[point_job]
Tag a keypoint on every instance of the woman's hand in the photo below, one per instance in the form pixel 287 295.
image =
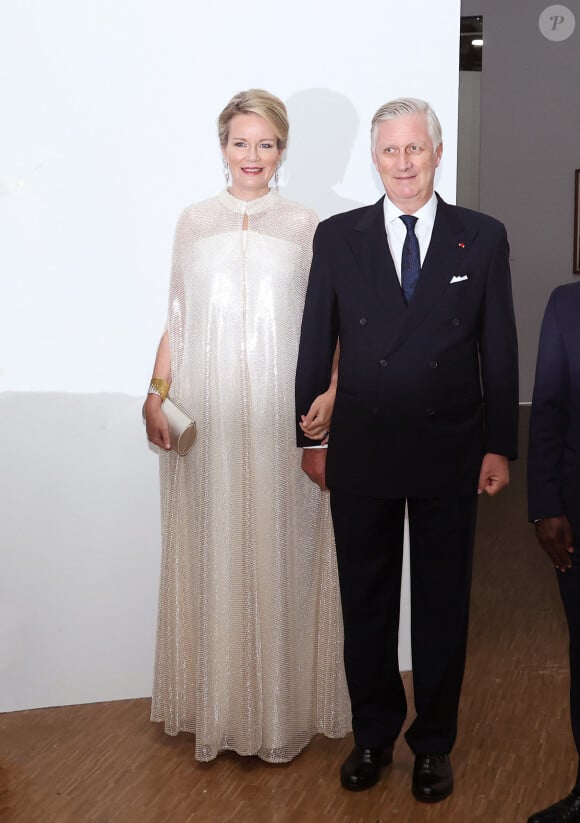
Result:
pixel 156 422
pixel 316 423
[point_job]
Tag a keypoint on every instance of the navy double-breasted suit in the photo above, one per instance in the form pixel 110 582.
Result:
pixel 424 391
pixel 554 448
pixel 554 453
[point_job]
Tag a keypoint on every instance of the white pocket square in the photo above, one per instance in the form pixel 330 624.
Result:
pixel 458 279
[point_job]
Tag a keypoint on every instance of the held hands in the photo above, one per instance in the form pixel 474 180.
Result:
pixel 555 537
pixel 315 426
pixel 316 423
pixel 156 422
pixel 314 464
pixel 494 474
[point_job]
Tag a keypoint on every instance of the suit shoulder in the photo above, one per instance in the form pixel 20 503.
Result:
pixel 478 218
pixel 566 299
pixel 345 219
pixel 566 291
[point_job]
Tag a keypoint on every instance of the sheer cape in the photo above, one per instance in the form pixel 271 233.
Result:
pixel 249 643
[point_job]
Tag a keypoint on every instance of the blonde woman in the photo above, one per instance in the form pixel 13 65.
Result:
pixel 249 645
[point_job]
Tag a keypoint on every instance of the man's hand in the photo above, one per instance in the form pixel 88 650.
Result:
pixel 555 537
pixel 314 464
pixel 494 474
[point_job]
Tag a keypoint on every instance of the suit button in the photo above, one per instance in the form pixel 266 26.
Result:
pixel 363 321
pixel 430 412
pixel 433 364
pixel 456 321
pixel 384 363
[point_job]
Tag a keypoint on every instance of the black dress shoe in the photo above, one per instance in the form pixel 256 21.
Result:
pixel 362 768
pixel 432 777
pixel 565 811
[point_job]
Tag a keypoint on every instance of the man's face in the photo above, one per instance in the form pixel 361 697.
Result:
pixel 406 159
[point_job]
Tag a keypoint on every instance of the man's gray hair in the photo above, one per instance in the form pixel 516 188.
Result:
pixel 403 106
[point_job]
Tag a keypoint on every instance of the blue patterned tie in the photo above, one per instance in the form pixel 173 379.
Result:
pixel 411 258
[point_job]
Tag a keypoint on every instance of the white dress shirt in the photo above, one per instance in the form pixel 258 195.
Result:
pixel 396 231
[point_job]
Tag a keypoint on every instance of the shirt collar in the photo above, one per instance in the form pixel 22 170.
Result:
pixel 426 213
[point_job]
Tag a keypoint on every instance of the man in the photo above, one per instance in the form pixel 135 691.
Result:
pixel 425 414
pixel 554 486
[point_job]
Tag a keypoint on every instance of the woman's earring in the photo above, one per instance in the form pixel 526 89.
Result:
pixel 277 177
pixel 226 172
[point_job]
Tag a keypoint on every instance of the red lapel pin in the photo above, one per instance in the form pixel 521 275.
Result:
pixel 461 245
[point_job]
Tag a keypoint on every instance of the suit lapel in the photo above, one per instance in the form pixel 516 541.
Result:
pixel 444 259
pixel 371 248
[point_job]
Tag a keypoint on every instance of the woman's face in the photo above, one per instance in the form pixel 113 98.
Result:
pixel 252 154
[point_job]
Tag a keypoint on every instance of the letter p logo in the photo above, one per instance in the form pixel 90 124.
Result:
pixel 557 23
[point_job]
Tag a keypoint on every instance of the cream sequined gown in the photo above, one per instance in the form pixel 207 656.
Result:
pixel 249 643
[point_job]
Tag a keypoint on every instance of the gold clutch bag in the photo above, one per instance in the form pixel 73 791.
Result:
pixel 182 427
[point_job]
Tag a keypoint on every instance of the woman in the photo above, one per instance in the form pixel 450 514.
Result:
pixel 249 646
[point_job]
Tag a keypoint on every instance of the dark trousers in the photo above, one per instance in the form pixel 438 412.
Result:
pixel 569 583
pixel 369 542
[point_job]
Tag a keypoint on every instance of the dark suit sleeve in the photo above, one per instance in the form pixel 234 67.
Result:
pixel 548 420
pixel 498 349
pixel 319 331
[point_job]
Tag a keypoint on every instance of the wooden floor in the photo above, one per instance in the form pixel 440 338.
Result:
pixel 105 763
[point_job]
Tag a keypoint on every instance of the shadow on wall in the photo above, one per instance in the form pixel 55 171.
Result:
pixel 323 128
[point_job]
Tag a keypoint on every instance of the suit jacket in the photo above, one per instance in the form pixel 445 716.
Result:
pixel 554 447
pixel 424 390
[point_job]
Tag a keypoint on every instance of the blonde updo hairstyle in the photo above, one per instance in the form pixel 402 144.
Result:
pixel 262 103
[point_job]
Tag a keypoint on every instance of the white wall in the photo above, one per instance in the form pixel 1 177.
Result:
pixel 80 553
pixel 108 130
